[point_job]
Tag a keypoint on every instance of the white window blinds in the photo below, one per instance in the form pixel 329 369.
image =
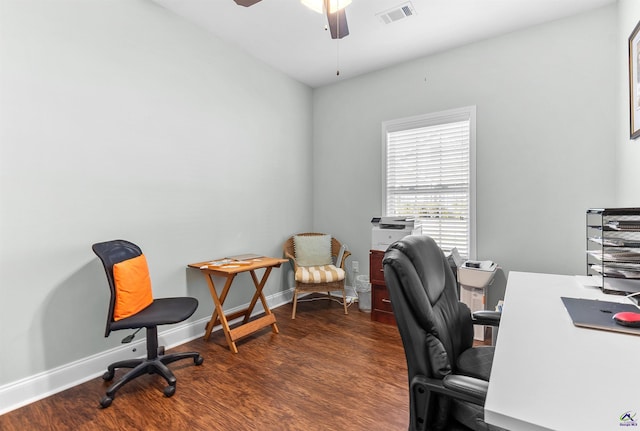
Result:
pixel 428 175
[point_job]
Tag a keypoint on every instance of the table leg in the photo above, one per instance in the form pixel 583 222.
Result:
pixel 259 295
pixel 218 312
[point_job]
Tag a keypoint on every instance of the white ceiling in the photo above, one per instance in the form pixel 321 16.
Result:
pixel 290 37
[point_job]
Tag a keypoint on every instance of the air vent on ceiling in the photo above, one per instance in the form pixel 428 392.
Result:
pixel 397 13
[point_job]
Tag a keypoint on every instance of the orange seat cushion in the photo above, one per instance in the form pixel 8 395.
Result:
pixel 133 287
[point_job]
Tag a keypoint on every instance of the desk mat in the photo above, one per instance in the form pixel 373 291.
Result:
pixel 595 314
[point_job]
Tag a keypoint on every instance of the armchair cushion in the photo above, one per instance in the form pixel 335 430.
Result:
pixel 312 250
pixel 476 362
pixel 133 287
pixel 319 274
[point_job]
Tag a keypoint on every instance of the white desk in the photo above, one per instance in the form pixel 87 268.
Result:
pixel 550 375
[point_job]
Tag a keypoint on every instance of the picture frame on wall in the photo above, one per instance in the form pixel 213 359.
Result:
pixel 634 83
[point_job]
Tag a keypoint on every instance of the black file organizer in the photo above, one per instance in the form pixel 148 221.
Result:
pixel 613 249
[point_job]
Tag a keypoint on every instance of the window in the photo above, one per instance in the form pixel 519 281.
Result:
pixel 429 174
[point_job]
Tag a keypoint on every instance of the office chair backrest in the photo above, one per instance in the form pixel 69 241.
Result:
pixel 110 253
pixel 425 301
pixel 434 326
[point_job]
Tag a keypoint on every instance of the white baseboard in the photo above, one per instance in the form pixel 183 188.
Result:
pixel 33 388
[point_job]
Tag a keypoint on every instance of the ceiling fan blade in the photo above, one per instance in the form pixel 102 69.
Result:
pixel 246 3
pixel 338 23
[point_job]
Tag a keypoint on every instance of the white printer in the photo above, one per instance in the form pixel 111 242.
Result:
pixel 387 230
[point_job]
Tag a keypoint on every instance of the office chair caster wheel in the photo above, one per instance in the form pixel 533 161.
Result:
pixel 106 401
pixel 169 391
pixel 198 360
pixel 108 375
pixel 160 350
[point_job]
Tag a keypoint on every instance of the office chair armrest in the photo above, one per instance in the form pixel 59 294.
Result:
pixel 464 388
pixel 486 317
pixel 475 389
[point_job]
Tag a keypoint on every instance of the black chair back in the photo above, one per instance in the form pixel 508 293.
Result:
pixel 110 253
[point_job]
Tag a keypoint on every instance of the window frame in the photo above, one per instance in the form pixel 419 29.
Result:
pixel 433 119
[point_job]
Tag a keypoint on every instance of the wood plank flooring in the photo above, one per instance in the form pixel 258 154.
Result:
pixel 324 371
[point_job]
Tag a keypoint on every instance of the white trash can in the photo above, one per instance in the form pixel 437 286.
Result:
pixel 363 290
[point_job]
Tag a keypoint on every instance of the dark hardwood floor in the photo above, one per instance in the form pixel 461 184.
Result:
pixel 324 371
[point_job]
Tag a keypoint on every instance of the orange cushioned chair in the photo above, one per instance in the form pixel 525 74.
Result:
pixel 132 307
pixel 315 263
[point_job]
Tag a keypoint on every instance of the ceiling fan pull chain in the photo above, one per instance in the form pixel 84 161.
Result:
pixel 337 57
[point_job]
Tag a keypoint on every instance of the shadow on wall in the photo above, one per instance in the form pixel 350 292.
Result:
pixel 241 290
pixel 72 318
pixel 497 289
pixel 288 281
pixel 198 288
pixel 70 322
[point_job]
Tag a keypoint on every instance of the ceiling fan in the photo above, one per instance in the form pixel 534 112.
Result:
pixel 334 9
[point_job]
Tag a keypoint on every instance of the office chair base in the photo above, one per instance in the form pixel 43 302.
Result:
pixel 156 365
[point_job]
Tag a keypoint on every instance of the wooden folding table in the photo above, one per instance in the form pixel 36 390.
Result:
pixel 228 269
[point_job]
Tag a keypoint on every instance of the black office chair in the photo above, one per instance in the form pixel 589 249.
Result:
pixel 159 312
pixel 448 377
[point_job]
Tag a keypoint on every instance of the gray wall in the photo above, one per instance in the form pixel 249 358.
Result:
pixel 628 151
pixel 545 98
pixel 120 120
